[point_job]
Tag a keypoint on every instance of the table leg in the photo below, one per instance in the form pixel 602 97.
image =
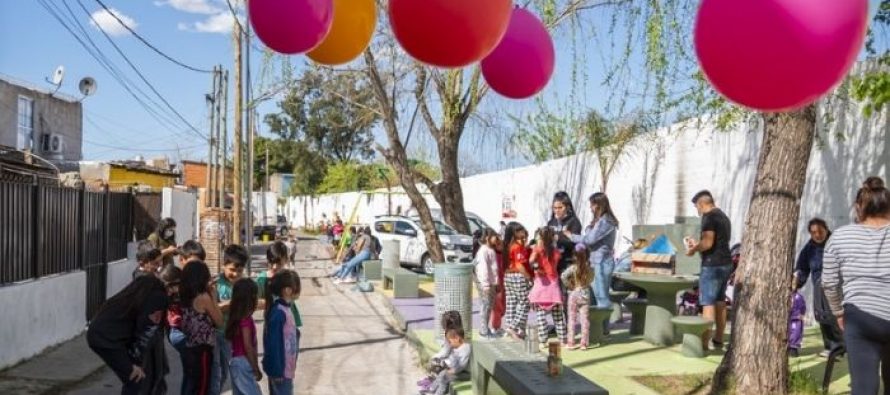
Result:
pixel 661 308
pixel 480 379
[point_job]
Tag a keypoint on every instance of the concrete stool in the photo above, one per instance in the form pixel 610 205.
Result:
pixel 373 269
pixel 596 317
pixel 637 309
pixel 617 297
pixel 692 328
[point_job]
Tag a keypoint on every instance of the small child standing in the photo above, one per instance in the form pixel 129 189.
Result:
pixel 281 337
pixel 517 279
pixel 795 321
pixel 546 294
pixel 276 258
pixel 447 369
pixel 577 279
pixel 235 259
pixel 241 332
pixel 486 268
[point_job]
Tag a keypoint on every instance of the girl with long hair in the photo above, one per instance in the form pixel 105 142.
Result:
pixel 563 218
pixel 546 294
pixel 577 279
pixel 517 279
pixel 200 318
pixel 241 332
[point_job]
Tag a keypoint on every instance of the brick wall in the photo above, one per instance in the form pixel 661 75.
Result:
pixel 194 174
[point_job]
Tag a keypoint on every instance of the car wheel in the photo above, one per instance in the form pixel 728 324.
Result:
pixel 426 264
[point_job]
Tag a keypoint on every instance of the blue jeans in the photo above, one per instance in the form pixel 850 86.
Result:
pixel 243 380
pixel 712 284
pixel 353 263
pixel 220 367
pixel 602 278
pixel 177 340
pixel 281 386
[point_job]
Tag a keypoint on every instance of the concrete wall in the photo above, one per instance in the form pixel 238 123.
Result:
pixel 40 314
pixel 182 206
pixel 52 115
pixel 120 273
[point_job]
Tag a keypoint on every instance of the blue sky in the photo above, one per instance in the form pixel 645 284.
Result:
pixel 195 32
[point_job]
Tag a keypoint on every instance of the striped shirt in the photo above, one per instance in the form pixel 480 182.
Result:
pixel 856 270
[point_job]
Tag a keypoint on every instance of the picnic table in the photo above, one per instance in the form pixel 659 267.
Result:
pixel 517 372
pixel 662 296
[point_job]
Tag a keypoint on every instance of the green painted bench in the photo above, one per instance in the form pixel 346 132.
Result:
pixel 373 269
pixel 402 281
pixel 637 308
pixel 516 372
pixel 596 316
pixel 692 328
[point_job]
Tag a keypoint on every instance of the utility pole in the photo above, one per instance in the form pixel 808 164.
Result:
pixel 224 141
pixel 214 142
pixel 237 210
pixel 209 98
pixel 219 142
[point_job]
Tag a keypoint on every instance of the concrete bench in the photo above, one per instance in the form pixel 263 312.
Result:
pixel 516 372
pixel 373 269
pixel 402 281
pixel 617 297
pixel 692 328
pixel 597 316
pixel 637 308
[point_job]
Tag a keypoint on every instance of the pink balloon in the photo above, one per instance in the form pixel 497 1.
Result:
pixel 778 55
pixel 291 26
pixel 522 63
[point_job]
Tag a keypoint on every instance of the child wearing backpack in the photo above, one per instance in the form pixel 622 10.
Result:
pixel 281 337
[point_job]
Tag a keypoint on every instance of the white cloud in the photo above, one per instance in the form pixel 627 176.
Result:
pixel 218 23
pixel 104 20
pixel 191 6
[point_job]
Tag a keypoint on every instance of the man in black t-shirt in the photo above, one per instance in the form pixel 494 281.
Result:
pixel 716 263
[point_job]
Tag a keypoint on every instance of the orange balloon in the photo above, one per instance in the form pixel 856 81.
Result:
pixel 354 23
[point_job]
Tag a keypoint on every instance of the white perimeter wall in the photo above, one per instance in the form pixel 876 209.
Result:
pixel 182 206
pixel 39 314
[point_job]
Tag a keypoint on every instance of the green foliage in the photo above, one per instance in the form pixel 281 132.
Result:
pixel 544 135
pixel 346 176
pixel 873 88
pixel 331 112
pixel 802 382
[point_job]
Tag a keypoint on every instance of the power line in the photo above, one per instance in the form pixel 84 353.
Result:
pixel 117 148
pixel 144 41
pixel 141 76
pixel 103 61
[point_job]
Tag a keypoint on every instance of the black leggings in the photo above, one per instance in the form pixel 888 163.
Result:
pixel 197 369
pixel 121 365
pixel 868 348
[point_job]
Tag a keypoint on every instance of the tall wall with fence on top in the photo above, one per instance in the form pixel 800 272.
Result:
pixel 62 253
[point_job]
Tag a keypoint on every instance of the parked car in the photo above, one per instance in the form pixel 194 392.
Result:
pixel 413 251
pixel 279 228
pixel 475 221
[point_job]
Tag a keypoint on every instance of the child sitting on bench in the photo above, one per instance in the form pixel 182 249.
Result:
pixel 444 371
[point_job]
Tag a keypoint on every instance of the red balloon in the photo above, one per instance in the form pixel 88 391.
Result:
pixel 291 26
pixel 778 55
pixel 522 64
pixel 449 33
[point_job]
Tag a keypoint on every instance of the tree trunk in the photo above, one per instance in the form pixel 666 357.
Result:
pixel 448 192
pixel 757 360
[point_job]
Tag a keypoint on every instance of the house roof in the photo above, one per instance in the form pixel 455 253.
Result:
pixel 14 161
pixel 27 85
pixel 142 167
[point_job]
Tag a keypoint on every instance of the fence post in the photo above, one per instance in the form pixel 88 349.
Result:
pixel 106 223
pixel 35 228
pixel 81 226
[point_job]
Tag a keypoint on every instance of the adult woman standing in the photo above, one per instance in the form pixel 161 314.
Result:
pixel 856 278
pixel 164 239
pixel 563 218
pixel 809 265
pixel 599 237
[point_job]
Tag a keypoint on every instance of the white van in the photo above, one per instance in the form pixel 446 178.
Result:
pixel 413 250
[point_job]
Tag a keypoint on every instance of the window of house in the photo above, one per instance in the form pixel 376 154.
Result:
pixel 25 122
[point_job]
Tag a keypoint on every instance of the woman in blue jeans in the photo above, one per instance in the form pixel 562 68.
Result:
pixel 362 249
pixel 599 237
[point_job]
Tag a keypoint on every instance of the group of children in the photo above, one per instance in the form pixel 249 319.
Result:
pixel 513 277
pixel 207 319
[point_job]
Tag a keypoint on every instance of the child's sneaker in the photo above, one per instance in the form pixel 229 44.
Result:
pixel 349 280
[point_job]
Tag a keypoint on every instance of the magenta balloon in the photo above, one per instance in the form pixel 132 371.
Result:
pixel 778 55
pixel 291 26
pixel 522 63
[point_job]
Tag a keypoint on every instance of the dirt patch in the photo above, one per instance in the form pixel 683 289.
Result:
pixel 695 384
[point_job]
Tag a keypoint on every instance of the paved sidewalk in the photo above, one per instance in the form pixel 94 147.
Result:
pixel 349 345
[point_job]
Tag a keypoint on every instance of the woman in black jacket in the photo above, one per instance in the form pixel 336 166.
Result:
pixel 126 327
pixel 563 218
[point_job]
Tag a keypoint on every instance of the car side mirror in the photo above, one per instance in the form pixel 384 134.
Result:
pixel 410 233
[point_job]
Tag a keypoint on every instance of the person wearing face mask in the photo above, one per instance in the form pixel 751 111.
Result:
pixel 809 265
pixel 164 239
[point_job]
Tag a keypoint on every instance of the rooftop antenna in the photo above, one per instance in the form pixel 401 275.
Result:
pixel 87 87
pixel 57 78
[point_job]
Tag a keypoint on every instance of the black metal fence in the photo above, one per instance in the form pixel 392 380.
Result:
pixel 48 229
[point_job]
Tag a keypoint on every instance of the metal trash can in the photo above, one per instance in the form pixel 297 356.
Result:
pixel 390 253
pixel 454 282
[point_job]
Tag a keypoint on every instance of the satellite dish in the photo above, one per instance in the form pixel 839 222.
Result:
pixel 58 75
pixel 87 86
